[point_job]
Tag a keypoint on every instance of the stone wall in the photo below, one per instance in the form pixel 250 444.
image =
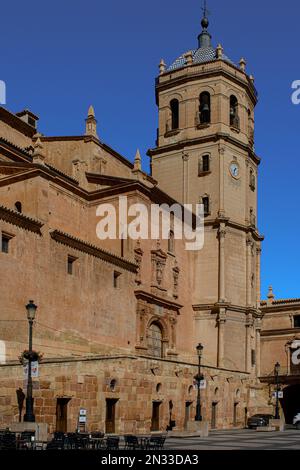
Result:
pixel 139 382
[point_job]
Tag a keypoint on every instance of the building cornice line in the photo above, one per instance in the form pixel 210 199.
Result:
pixel 114 357
pixel 13 151
pixel 179 79
pixel 214 308
pixel 92 250
pixel 141 294
pixel 204 139
pixel 280 332
pixel 20 220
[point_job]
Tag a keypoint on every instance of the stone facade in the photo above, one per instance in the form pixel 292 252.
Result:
pixel 118 320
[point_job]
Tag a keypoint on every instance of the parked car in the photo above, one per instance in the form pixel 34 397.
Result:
pixel 259 420
pixel 296 421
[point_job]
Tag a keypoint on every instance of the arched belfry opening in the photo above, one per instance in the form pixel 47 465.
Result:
pixel 204 108
pixel 174 105
pixel 234 112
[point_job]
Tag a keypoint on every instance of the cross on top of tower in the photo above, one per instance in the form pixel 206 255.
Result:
pixel 206 12
pixel 204 38
pixel 205 22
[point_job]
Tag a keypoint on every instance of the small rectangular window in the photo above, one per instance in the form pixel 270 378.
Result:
pixel 205 160
pixel 5 240
pixel 253 357
pixel 70 265
pixel 205 202
pixel 117 277
pixel 297 321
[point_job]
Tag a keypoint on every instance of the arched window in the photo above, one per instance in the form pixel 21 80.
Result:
pixel 18 206
pixel 174 105
pixel 234 112
pixel 204 108
pixel 155 343
pixel 171 244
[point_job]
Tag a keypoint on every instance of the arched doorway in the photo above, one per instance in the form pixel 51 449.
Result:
pixel 291 402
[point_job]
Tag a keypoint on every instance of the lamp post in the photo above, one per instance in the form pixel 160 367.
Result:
pixel 198 378
pixel 29 416
pixel 277 369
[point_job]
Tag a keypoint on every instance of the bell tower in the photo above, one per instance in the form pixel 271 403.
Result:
pixel 205 153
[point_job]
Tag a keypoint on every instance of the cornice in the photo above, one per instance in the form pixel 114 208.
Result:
pixel 14 152
pixel 205 139
pixel 280 332
pixel 92 250
pixel 107 180
pixel 17 123
pixel 20 220
pixel 216 223
pixel 280 307
pixel 88 138
pixel 213 72
pixel 141 294
pixel 215 308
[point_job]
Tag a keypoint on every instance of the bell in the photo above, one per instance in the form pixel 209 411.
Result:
pixel 205 108
pixel 232 112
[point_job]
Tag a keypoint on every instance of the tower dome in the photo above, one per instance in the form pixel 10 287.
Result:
pixel 205 51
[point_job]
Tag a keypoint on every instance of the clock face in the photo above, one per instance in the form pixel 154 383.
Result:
pixel 235 170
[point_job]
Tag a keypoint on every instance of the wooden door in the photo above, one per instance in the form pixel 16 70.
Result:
pixel 62 414
pixel 110 420
pixel 155 416
pixel 214 415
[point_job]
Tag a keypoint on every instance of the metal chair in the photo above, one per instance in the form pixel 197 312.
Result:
pixel 55 445
pixel 112 443
pixel 156 443
pixel 131 442
pixel 8 441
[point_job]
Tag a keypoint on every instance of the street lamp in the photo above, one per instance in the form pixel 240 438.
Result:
pixel 29 416
pixel 198 378
pixel 277 369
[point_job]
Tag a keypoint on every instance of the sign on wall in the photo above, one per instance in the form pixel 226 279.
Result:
pixel 202 385
pixel 34 370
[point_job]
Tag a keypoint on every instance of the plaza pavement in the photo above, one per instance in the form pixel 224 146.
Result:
pixel 242 439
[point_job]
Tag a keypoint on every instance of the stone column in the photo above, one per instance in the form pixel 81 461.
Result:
pixel 258 293
pixel 222 287
pixel 248 343
pixel 222 172
pixel 249 272
pixel 257 331
pixel 221 333
pixel 185 177
pixel 247 187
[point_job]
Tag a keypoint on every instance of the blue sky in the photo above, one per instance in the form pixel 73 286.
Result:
pixel 58 57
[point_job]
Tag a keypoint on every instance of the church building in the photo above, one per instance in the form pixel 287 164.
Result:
pixel 118 321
